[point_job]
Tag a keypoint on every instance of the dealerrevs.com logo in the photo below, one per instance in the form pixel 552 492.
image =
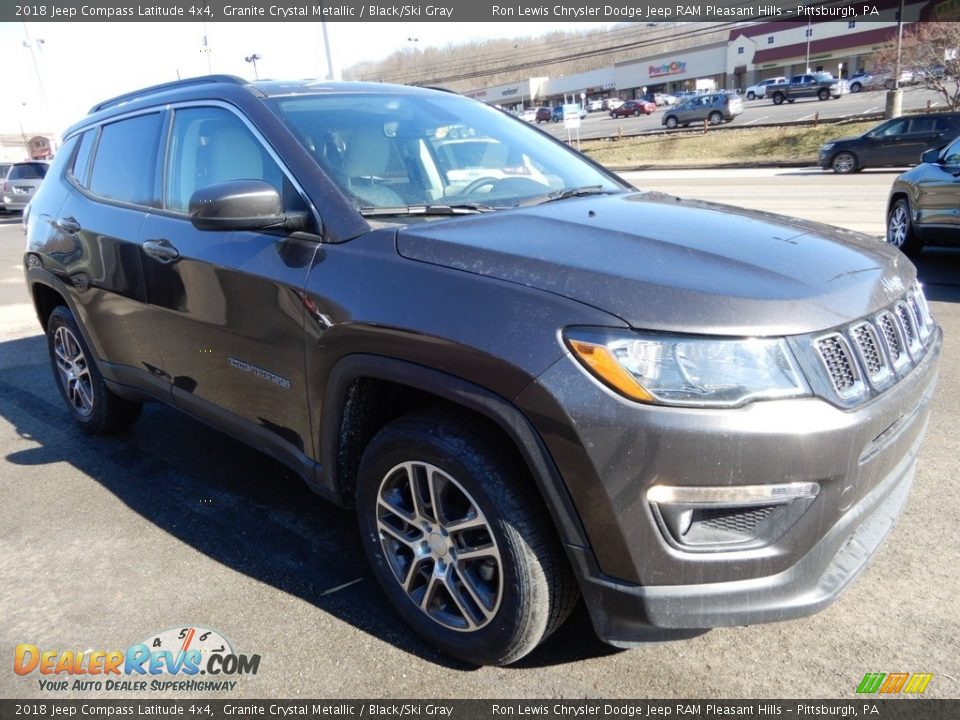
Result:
pixel 186 659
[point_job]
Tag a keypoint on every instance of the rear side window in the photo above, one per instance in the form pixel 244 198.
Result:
pixel 922 124
pixel 28 171
pixel 125 164
pixel 80 171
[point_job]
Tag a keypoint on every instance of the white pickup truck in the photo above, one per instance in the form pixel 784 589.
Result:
pixel 755 92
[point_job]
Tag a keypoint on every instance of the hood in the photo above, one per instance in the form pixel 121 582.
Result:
pixel 661 263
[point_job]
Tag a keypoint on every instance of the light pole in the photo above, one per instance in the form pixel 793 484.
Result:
pixel 416 60
pixel 809 34
pixel 894 105
pixel 253 59
pixel 206 50
pixel 29 45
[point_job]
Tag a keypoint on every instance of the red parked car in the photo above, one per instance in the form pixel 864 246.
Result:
pixel 544 114
pixel 633 107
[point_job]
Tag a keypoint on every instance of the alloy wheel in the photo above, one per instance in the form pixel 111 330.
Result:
pixel 897 226
pixel 74 370
pixel 440 546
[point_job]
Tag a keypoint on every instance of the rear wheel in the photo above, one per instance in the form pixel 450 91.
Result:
pixel 460 540
pixel 716 118
pixel 844 163
pixel 900 232
pixel 96 409
pixel 778 98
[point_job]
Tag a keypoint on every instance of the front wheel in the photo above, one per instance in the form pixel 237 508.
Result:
pixel 844 163
pixel 823 94
pixel 855 88
pixel 900 232
pixel 751 95
pixel 671 122
pixel 93 406
pixel 716 118
pixel 459 539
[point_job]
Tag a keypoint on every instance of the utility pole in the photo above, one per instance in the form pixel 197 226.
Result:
pixel 253 59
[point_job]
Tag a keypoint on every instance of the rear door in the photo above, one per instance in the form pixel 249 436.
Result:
pixel 227 306
pixel 114 175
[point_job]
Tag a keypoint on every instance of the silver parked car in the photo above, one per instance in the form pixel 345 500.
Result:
pixel 716 107
pixel 21 182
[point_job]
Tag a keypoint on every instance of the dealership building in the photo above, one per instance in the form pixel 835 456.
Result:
pixel 750 52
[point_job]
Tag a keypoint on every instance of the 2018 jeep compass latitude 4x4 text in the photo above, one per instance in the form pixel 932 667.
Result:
pixel 531 380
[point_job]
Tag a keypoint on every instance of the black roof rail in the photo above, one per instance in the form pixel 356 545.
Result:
pixel 201 80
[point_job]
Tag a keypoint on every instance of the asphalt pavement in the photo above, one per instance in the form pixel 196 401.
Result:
pixel 107 541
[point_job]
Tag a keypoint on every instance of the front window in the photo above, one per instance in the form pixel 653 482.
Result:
pixel 398 151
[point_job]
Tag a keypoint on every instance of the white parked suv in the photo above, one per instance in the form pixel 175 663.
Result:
pixel 757 91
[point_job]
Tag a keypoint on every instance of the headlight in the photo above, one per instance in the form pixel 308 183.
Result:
pixel 689 371
pixel 827 147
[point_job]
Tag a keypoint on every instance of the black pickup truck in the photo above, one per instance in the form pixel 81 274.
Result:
pixel 822 86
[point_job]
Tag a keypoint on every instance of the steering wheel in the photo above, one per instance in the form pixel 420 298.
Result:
pixel 479 183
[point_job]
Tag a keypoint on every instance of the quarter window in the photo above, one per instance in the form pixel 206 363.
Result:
pixel 126 160
pixel 81 161
pixel 209 146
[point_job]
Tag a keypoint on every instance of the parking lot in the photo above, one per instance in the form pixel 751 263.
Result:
pixel 756 112
pixel 107 541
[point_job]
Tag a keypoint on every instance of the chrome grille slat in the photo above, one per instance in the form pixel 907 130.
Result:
pixel 839 363
pixel 868 345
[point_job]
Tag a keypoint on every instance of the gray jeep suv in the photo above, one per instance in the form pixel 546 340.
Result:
pixel 531 380
pixel 716 108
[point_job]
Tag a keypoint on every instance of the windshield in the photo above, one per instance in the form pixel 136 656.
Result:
pixel 397 151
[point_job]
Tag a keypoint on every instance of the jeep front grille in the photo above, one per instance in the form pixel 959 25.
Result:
pixel 875 350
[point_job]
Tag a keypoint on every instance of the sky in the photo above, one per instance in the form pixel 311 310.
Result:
pixel 82 63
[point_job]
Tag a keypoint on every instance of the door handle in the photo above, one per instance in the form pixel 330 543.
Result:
pixel 161 249
pixel 68 225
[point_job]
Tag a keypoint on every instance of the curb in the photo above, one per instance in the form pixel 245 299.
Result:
pixel 718 166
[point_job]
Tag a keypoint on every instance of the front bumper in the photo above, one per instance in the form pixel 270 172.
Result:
pixel 613 451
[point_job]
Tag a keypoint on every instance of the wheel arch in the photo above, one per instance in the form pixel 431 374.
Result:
pixel 364 392
pixel 48 292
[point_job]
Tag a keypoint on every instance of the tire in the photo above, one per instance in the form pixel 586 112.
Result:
pixel 844 163
pixel 856 87
pixel 93 406
pixel 671 122
pixel 900 232
pixel 494 608
pixel 778 98
pixel 636 113
pixel 751 95
pixel 790 100
pixel 823 94
pixel 613 115
pixel 715 118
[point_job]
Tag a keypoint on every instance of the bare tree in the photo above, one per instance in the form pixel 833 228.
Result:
pixel 930 51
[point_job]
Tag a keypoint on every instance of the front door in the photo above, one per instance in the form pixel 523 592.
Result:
pixel 227 306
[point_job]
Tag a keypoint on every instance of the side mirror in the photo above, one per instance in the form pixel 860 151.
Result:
pixel 930 156
pixel 242 205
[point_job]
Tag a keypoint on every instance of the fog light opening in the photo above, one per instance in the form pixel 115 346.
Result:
pixel 710 519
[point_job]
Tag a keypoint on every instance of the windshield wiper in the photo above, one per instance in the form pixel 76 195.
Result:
pixel 564 194
pixel 458 209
